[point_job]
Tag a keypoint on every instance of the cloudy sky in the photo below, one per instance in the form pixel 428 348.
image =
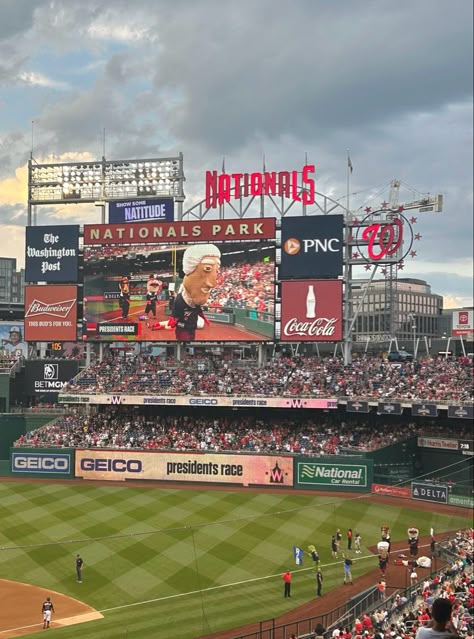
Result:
pixel 243 79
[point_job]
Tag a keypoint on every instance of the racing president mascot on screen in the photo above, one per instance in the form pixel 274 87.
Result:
pixel 154 286
pixel 124 296
pixel 201 265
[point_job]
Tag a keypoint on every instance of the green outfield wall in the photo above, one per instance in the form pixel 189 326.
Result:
pixel 13 425
pixel 449 466
pixel 4 392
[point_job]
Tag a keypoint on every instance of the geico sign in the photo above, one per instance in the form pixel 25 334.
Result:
pixel 102 464
pixel 203 402
pixel 43 463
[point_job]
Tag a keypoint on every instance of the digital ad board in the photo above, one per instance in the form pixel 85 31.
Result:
pixel 311 246
pixel 48 376
pixel 12 341
pixel 144 210
pixel 246 470
pixel 202 281
pixel 311 311
pixel 50 313
pixel 52 253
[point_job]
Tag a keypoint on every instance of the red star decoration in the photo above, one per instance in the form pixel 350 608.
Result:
pixel 367 267
pixel 418 236
pixel 355 255
pixel 413 253
pixel 384 271
pixel 401 208
pixel 350 238
pixel 400 266
pixel 384 204
pixel 368 209
pixel 355 222
pixel 413 220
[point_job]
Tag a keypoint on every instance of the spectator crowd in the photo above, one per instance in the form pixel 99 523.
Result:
pixel 407 613
pixel 115 427
pixel 426 379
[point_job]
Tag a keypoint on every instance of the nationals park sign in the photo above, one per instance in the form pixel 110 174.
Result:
pixel 333 475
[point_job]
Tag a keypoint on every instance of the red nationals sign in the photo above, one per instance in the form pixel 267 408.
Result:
pixel 311 311
pixel 50 313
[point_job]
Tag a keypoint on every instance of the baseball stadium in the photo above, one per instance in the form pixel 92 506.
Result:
pixel 193 445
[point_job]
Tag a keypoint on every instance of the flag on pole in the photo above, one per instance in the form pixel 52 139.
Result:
pixel 349 163
pixel 298 554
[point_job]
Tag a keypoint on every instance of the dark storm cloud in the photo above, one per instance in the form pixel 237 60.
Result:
pixel 255 69
pixel 17 16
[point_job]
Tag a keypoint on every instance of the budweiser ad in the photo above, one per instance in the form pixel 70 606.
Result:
pixel 50 313
pixel 311 311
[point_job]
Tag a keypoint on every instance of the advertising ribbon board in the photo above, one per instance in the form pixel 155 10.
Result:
pixel 186 400
pixel 246 470
pixel 437 493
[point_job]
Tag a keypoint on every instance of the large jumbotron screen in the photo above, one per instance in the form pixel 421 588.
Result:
pixel 155 290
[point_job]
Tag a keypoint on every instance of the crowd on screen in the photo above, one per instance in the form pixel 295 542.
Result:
pixel 402 615
pixel 324 434
pixel 246 286
pixel 426 379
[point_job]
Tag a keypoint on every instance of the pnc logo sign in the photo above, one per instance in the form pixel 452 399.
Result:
pixel 312 246
pixel 292 246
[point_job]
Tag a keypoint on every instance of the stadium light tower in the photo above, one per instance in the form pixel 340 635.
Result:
pixel 91 182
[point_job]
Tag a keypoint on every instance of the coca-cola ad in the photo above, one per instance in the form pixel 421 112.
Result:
pixel 311 311
pixel 50 313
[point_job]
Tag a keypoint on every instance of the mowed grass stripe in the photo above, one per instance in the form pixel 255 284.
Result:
pixel 171 543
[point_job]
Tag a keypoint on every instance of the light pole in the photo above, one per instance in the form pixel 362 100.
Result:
pixel 413 319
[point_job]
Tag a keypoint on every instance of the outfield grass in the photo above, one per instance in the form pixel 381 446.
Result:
pixel 182 563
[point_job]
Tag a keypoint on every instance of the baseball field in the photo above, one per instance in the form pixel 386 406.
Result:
pixel 176 564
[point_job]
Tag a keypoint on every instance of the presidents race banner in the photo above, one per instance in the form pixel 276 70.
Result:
pixel 187 400
pixel 246 470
